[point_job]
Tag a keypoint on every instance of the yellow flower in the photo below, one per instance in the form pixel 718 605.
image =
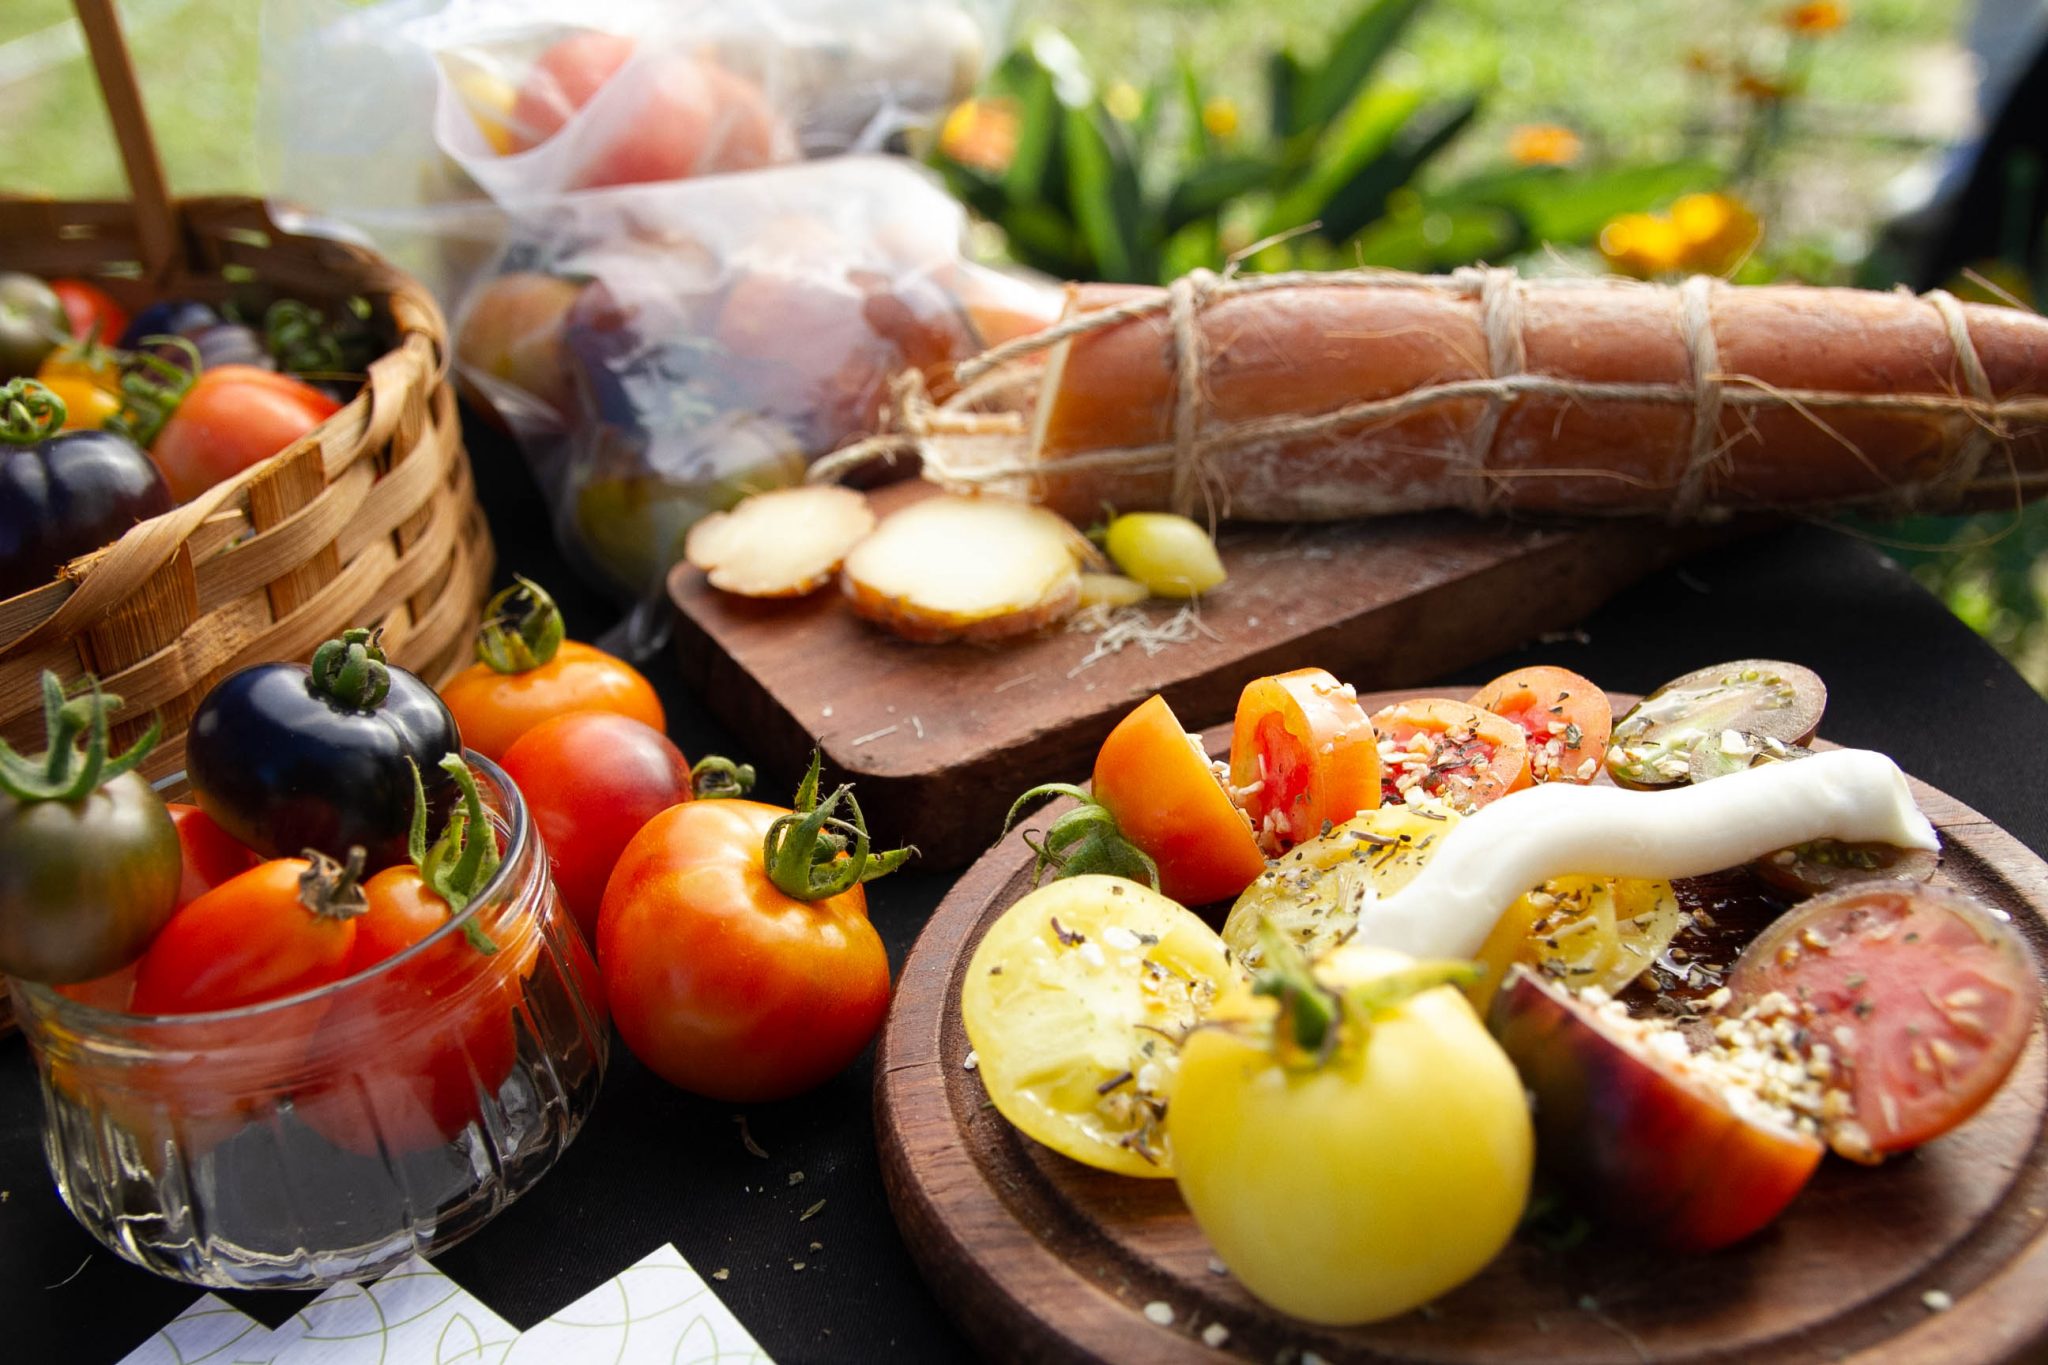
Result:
pixel 1123 101
pixel 1219 116
pixel 981 133
pixel 1719 231
pixel 1644 245
pixel 1816 17
pixel 1543 144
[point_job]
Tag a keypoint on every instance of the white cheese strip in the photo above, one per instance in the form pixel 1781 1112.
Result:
pixel 1557 830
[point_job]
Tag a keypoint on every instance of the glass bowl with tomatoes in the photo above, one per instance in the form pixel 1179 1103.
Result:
pixel 331 1133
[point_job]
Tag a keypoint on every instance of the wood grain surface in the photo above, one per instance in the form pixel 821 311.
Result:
pixel 940 738
pixel 1041 1258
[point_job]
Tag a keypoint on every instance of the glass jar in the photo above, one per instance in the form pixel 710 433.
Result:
pixel 330 1135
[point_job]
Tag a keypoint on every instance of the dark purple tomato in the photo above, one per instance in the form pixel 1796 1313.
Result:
pixel 285 757
pixel 168 317
pixel 68 494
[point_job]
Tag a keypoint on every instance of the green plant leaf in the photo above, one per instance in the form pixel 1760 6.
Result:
pixel 1437 239
pixel 1038 131
pixel 1284 81
pixel 1354 55
pixel 1102 187
pixel 1366 131
pixel 1567 208
pixel 1212 186
pixel 1363 198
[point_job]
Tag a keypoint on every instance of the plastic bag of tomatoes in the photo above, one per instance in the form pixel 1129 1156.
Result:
pixel 661 351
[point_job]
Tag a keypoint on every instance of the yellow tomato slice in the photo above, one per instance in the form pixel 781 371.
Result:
pixel 1075 1003
pixel 1581 931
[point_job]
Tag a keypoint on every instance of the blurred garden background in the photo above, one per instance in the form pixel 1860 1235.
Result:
pixel 1759 139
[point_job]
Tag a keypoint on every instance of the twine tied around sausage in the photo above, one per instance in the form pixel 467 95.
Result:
pixel 978 437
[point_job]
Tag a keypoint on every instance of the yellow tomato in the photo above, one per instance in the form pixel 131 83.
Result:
pixel 1582 931
pixel 1169 554
pixel 1358 1187
pixel 1074 1003
pixel 87 406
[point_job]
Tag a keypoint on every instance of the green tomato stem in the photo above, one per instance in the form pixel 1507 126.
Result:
pixel 802 851
pixel 152 388
pixel 63 773
pixel 1085 841
pixel 462 861
pixel 522 629
pixel 333 890
pixel 352 670
pixel 716 778
pixel 29 413
pixel 1316 1018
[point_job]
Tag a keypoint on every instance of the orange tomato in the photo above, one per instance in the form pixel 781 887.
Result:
pixel 1567 719
pixel 1157 782
pixel 233 417
pixel 250 939
pixel 494 709
pixel 1450 750
pixel 1303 756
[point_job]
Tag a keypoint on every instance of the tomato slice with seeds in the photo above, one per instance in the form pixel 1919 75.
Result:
pixel 1155 778
pixel 1449 751
pixel 1303 756
pixel 1923 998
pixel 1566 718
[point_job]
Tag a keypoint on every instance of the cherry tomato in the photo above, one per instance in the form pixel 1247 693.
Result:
pixel 527 673
pixel 1450 751
pixel 212 855
pixel 64 493
pixel 591 781
pixel 32 323
pixel 1154 777
pixel 90 309
pixel 87 403
pixel 1923 999
pixel 1566 718
pixel 720 979
pixel 1303 756
pixel 280 928
pixel 234 417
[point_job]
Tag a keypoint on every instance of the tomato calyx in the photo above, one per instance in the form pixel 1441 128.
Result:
pixel 1315 1019
pixel 522 629
pixel 152 386
pixel 715 777
pixel 461 862
pixel 352 670
pixel 64 773
pixel 802 851
pixel 333 890
pixel 30 412
pixel 1086 840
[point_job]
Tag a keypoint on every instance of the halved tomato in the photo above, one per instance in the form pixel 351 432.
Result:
pixel 1157 782
pixel 1303 756
pixel 1566 718
pixel 1075 1003
pixel 1450 751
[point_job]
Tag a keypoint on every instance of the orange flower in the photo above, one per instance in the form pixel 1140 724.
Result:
pixel 1816 17
pixel 1760 88
pixel 1543 144
pixel 981 133
pixel 1708 234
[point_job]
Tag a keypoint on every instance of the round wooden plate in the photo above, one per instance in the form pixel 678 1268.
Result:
pixel 1041 1258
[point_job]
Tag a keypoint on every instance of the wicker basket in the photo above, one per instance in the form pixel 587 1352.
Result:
pixel 370 519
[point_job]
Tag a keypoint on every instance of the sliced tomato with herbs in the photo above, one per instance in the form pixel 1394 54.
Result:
pixel 282 927
pixel 1303 757
pixel 527 673
pixel 1449 751
pixel 212 855
pixel 1566 718
pixel 1922 996
pixel 1154 778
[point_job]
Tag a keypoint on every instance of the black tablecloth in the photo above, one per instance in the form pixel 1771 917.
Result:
pixel 654 1165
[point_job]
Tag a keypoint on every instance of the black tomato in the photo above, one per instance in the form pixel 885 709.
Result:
pixel 89 859
pixel 64 494
pixel 168 317
pixel 287 757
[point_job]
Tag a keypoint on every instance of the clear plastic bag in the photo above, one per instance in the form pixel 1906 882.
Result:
pixel 433 126
pixel 659 351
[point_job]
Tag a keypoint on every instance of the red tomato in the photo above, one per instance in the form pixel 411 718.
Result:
pixel 1449 750
pixel 719 981
pixel 441 1021
pixel 1303 756
pixel 250 939
pixel 1154 777
pixel 235 416
pixel 591 781
pixel 212 855
pixel 691 117
pixel 1567 719
pixel 91 310
pixel 1922 997
pixel 494 709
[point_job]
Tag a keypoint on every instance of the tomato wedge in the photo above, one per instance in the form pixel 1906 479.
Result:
pixel 1303 757
pixel 1922 998
pixel 1567 719
pixel 1451 751
pixel 1154 777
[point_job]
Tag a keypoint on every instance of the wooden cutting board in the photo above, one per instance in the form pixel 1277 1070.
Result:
pixel 1040 1258
pixel 939 739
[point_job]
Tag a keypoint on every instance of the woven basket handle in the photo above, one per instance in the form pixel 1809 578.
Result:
pixel 156 224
